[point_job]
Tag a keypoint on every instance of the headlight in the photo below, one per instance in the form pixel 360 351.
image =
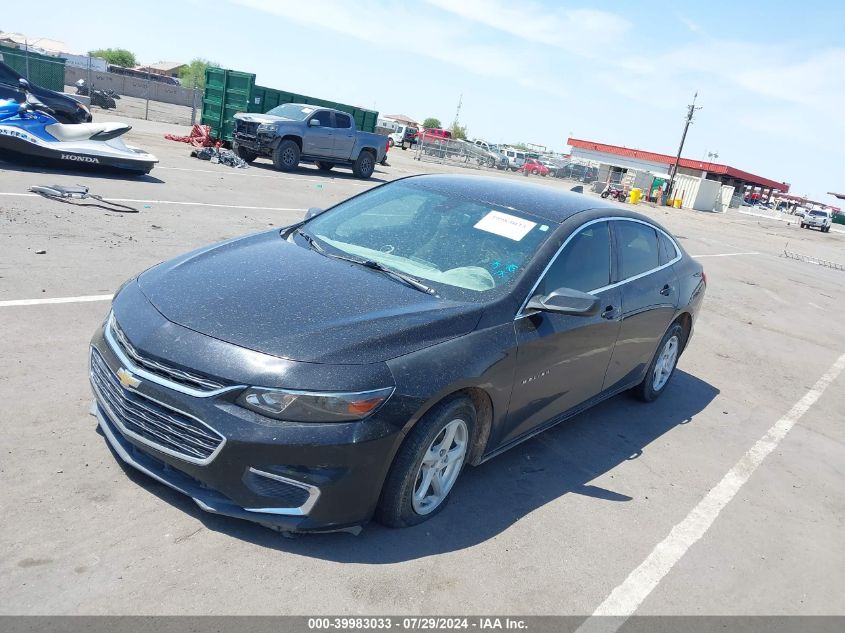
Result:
pixel 266 127
pixel 313 406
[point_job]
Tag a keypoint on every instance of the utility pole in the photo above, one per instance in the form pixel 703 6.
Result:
pixel 691 108
pixel 458 111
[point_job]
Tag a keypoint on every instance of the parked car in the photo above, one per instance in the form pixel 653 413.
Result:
pixel 66 108
pixel 409 138
pixel 817 219
pixel 351 364
pixel 515 158
pixel 431 133
pixel 294 132
pixel 535 167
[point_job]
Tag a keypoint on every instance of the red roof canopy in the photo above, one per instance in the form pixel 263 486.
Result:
pixel 714 168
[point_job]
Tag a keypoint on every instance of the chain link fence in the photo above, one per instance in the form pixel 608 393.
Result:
pixel 140 97
pixel 448 151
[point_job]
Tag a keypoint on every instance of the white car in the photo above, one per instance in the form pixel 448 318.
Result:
pixel 817 218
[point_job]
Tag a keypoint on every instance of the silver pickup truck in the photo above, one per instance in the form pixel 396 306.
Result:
pixel 293 133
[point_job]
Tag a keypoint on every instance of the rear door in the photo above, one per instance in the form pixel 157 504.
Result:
pixel 319 140
pixel 344 136
pixel 649 285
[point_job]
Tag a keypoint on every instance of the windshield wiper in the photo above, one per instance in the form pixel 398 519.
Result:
pixel 406 279
pixel 368 263
pixel 311 242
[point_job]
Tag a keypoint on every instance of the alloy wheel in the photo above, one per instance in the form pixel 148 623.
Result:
pixel 440 467
pixel 665 363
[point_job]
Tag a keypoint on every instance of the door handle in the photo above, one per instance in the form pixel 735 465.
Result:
pixel 666 290
pixel 609 313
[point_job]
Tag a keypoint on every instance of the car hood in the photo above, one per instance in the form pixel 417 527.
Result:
pixel 260 118
pixel 267 294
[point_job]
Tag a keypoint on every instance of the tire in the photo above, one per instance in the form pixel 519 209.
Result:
pixel 243 153
pixel 604 194
pixel 401 504
pixel 364 165
pixel 286 156
pixel 491 162
pixel 802 225
pixel 324 166
pixel 652 387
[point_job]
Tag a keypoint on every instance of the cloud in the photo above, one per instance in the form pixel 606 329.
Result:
pixel 579 31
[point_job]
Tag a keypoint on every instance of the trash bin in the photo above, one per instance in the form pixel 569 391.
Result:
pixel 636 194
pixel 676 203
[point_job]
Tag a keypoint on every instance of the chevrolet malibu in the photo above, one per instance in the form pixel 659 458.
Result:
pixel 350 365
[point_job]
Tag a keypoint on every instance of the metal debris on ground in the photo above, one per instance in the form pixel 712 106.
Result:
pixel 222 156
pixel 812 260
pixel 69 195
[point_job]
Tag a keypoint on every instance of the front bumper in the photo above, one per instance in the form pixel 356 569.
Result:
pixel 294 477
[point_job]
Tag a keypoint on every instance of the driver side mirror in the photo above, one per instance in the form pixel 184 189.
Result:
pixel 24 83
pixel 566 301
pixel 313 123
pixel 312 212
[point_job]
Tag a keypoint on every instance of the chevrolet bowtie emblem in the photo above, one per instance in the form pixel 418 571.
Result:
pixel 127 379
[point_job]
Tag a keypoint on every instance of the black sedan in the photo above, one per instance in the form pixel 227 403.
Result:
pixel 351 365
pixel 67 109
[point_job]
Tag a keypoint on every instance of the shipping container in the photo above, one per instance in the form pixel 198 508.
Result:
pixel 228 92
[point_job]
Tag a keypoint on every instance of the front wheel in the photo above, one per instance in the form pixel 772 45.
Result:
pixel 364 165
pixel 427 465
pixel 604 194
pixel 286 156
pixel 662 366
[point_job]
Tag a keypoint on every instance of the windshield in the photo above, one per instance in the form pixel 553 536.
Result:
pixel 821 214
pixel 465 249
pixel 292 111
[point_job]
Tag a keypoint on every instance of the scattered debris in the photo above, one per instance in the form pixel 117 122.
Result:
pixel 41 252
pixel 200 136
pixel 67 195
pixel 222 156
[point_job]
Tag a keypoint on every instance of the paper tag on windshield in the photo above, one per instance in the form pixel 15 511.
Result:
pixel 505 225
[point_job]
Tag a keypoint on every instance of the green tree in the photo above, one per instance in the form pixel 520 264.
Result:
pixel 520 146
pixel 116 56
pixel 459 131
pixel 432 122
pixel 194 73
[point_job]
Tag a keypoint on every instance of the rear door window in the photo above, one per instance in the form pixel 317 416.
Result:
pixel 639 251
pixel 668 252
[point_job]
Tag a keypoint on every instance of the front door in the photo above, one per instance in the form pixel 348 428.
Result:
pixel 562 359
pixel 319 139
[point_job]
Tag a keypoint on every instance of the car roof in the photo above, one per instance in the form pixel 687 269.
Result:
pixel 548 203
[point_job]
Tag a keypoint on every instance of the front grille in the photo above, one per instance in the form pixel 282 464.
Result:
pixel 247 128
pixel 157 425
pixel 180 376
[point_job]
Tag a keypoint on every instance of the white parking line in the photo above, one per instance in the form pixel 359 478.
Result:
pixel 627 597
pixel 36 302
pixel 274 176
pixel 169 202
pixel 723 255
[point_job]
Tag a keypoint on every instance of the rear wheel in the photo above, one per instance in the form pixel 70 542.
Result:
pixel 243 153
pixel 286 156
pixel 324 166
pixel 364 165
pixel 427 465
pixel 662 366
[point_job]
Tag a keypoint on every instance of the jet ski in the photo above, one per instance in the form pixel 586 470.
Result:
pixel 29 132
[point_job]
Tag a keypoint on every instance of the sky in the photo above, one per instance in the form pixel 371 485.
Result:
pixel 770 76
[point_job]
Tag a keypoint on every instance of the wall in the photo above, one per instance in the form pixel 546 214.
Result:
pixel 133 87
